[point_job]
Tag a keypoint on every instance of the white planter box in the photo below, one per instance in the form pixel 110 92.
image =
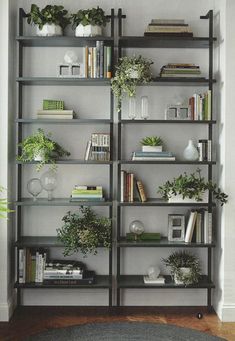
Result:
pixel 151 148
pixel 39 156
pixel 49 30
pixel 179 199
pixel 184 271
pixel 88 31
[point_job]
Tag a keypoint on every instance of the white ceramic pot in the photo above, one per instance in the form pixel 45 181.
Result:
pixel 39 156
pixel 190 152
pixel 49 30
pixel 151 148
pixel 184 271
pixel 179 199
pixel 88 31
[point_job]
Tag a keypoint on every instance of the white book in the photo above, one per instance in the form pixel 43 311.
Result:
pixel 152 158
pixel 55 117
pixel 206 227
pixel 55 112
pixel 159 280
pixel 210 233
pixel 22 265
pixel 199 227
pixel 122 185
pixel 88 151
pixel 190 227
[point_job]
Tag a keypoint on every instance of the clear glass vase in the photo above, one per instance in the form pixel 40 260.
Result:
pixel 132 108
pixel 144 107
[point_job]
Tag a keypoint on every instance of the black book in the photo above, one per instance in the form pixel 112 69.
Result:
pixel 88 278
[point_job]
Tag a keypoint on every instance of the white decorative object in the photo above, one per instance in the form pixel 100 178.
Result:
pixel 153 272
pixel 144 107
pixel 49 30
pixel 49 182
pixel 151 148
pixel 34 187
pixel 70 57
pixel 132 108
pixel 39 156
pixel 179 199
pixel 184 272
pixel 190 152
pixel 88 31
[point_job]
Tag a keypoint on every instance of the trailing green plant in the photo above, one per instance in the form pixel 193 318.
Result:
pixel 84 231
pixel 124 83
pixel 4 205
pixel 184 259
pixel 151 141
pixel 41 144
pixel 191 186
pixel 93 16
pixel 48 15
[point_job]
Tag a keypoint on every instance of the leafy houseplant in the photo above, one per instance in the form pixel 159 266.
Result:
pixel 84 231
pixel 51 20
pixel 130 72
pixel 151 144
pixel 40 147
pixel 191 186
pixel 89 22
pixel 3 205
pixel 178 262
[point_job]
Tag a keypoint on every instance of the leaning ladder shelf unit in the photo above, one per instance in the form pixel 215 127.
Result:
pixel 102 281
pixel 136 281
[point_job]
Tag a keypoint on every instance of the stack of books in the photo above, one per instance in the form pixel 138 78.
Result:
pixel 87 193
pixel 97 61
pixel 152 156
pixel 168 27
pixel 128 185
pixel 98 147
pixel 183 70
pixel 55 114
pixel 205 150
pixel 31 265
pixel 199 227
pixel 200 106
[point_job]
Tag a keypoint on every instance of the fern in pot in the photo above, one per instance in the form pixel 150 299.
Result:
pixel 130 72
pixel 89 22
pixel 151 144
pixel 41 148
pixel 184 267
pixel 50 21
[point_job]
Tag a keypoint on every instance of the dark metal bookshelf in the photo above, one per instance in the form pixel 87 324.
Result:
pixel 60 202
pixel 60 121
pixel 63 81
pixel 70 162
pixel 125 281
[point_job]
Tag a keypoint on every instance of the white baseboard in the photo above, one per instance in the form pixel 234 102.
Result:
pixel 225 312
pixel 7 309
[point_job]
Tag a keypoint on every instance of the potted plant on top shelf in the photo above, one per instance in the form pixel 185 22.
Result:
pixel 84 231
pixel 151 144
pixel 184 267
pixel 130 72
pixel 89 22
pixel 40 147
pixel 50 21
pixel 191 188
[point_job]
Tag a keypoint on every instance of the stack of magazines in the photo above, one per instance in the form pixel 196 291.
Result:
pixel 152 156
pixel 180 70
pixel 87 193
pixel 168 27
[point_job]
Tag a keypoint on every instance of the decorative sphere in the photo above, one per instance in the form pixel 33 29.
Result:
pixel 70 57
pixel 34 187
pixel 153 272
pixel 136 227
pixel 49 180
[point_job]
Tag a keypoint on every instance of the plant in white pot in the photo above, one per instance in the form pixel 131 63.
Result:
pixel 151 144
pixel 50 21
pixel 41 148
pixel 184 267
pixel 89 22
pixel 191 188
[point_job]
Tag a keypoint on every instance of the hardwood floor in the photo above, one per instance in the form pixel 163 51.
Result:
pixel 31 320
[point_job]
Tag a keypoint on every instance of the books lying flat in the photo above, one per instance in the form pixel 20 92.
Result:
pixel 55 117
pixel 84 187
pixel 89 278
pixel 158 158
pixel 158 280
pixel 148 236
pixel 185 75
pixel 168 34
pixel 140 153
pixel 87 199
pixel 55 114
pixel 168 21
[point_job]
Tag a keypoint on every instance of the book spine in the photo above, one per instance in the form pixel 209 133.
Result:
pixel 101 59
pixel 190 227
pixel 140 188
pixel 122 182
pixel 131 187
pixel 109 62
pixel 206 227
pixel 210 232
pixel 22 266
pixel 98 59
pixel 85 61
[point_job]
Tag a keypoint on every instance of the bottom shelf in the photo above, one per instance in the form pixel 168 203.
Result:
pixel 137 281
pixel 101 282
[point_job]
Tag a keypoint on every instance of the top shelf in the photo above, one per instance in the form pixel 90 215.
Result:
pixel 165 42
pixel 63 41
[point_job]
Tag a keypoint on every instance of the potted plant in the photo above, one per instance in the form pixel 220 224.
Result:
pixel 184 267
pixel 130 72
pixel 50 21
pixel 40 147
pixel 84 231
pixel 3 205
pixel 151 144
pixel 191 188
pixel 89 22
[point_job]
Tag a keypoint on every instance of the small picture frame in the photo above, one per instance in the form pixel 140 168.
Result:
pixel 176 227
pixel 177 112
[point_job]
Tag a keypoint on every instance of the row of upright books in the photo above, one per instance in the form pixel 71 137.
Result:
pixel 35 268
pixel 87 193
pixel 97 61
pixel 182 70
pixel 168 27
pixel 129 186
pixel 98 147
pixel 199 227
pixel 152 156
pixel 205 150
pixel 200 106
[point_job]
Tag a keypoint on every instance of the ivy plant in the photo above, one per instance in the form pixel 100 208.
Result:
pixel 41 144
pixel 191 186
pixel 124 83
pixel 151 141
pixel 93 16
pixel 84 231
pixel 48 15
pixel 3 205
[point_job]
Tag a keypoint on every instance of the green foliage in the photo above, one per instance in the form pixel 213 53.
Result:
pixel 184 259
pixel 191 186
pixel 48 15
pixel 3 205
pixel 41 144
pixel 84 231
pixel 123 82
pixel 94 16
pixel 151 141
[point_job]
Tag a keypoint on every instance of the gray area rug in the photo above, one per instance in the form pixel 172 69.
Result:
pixel 123 331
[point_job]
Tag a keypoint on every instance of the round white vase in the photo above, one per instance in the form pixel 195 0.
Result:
pixel 190 153
pixel 88 31
pixel 49 30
